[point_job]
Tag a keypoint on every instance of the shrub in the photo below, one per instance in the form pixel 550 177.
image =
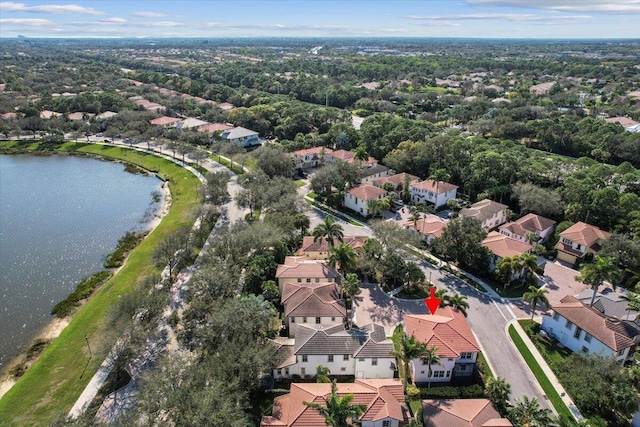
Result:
pixel 83 290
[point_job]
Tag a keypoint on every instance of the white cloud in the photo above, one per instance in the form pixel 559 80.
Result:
pixel 50 8
pixel 598 6
pixel 518 17
pixel 149 14
pixel 114 20
pixel 27 22
pixel 165 24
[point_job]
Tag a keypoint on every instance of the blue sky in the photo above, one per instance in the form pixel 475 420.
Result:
pixel 333 18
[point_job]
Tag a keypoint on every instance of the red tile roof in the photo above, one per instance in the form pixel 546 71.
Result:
pixel 212 127
pixel 313 150
pixel 383 398
pixel 504 246
pixel 397 179
pixel 430 185
pixel 612 332
pixel 321 245
pixel 447 330
pixel 584 234
pixel 298 267
pixel 530 223
pixel 461 413
pixel 164 120
pixel 367 192
pixel 320 300
pixel 429 225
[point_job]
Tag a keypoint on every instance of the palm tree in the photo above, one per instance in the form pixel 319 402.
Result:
pixel 457 301
pixel 505 268
pixel 373 207
pixel 498 391
pixel 360 153
pixel 343 256
pixel 527 413
pixel 534 296
pixel 595 274
pixel 328 230
pixel 384 204
pixel 439 175
pixel 410 349
pixel 337 410
pixel 322 374
pixel 527 262
pixel 351 285
pixel 430 357
pixel 415 216
pixel 302 222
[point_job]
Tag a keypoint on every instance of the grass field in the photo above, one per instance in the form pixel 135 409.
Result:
pixel 546 385
pixel 55 381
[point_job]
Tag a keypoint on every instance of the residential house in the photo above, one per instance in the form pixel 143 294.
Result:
pixel 80 116
pixel 358 198
pixel 319 305
pixel 213 127
pixel 311 157
pixel 522 228
pixel 190 123
pixel 106 115
pixel 449 332
pixel 579 240
pixel 246 137
pixel 383 399
pixel 434 192
pixel 461 413
pixel 396 180
pixel 319 249
pixel 628 124
pixel 585 329
pixel 165 121
pixel 610 303
pixel 429 227
pixel 491 214
pixel 362 352
pixel 301 270
pixel 502 246
pixel 372 173
pixel 349 157
pixel 46 114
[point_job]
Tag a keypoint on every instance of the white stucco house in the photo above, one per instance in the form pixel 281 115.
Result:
pixel 522 228
pixel 434 192
pixel 449 332
pixel 297 269
pixel 585 329
pixel 491 214
pixel 358 198
pixel 315 304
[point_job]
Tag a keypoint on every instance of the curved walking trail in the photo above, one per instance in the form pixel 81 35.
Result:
pixel 123 399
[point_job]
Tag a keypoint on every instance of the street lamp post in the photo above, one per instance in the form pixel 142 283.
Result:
pixel 86 338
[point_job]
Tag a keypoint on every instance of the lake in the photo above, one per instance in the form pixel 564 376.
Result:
pixel 60 216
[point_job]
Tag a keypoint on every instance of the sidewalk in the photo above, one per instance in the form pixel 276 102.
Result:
pixel 546 369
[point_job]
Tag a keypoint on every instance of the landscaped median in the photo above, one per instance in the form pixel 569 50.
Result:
pixel 548 388
pixel 52 385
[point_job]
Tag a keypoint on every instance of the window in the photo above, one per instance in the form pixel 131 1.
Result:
pixel 304 358
pixel 317 280
pixel 569 324
pixel 279 371
pixel 299 280
pixel 345 357
pixel 556 316
pixel 303 371
pixel 330 358
pixel 317 320
pixel 308 280
pixel 330 279
pixel 374 361
pixel 621 352
pixel 360 359
pixel 424 362
pixel 333 319
pixel 577 333
pixel 386 423
pixel 304 319
pixel 566 241
pixel 343 369
pixel 286 371
pixel 463 367
pixel 448 374
pixel 587 337
pixel 466 355
pixel 585 349
pixel 438 374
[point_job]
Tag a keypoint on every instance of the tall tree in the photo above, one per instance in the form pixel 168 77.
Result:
pixel 498 391
pixel 439 175
pixel 526 412
pixel 337 410
pixel 457 301
pixel 322 374
pixel 505 269
pixel 535 295
pixel 344 257
pixel 329 230
pixel 430 357
pixel 410 348
pixel 351 285
pixel 596 273
pixel 527 262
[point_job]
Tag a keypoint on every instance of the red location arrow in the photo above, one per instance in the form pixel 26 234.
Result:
pixel 432 303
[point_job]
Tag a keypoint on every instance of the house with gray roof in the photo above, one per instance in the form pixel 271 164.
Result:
pixel 246 137
pixel 491 214
pixel 363 352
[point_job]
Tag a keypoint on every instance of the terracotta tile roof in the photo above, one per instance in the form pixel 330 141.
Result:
pixel 623 121
pixel 321 300
pixel 429 225
pixel 308 245
pixel 106 115
pixel 225 106
pixel 313 150
pixel 164 120
pixel 192 122
pixel 447 330
pixel 584 234
pixel 484 209
pixel 46 114
pixel 397 179
pixel 79 116
pixel 382 397
pixel 614 333
pixel 530 223
pixel 9 116
pixel 461 413
pixel 367 192
pixel 343 155
pixel 504 246
pixel 212 127
pixel 430 185
pixel 298 267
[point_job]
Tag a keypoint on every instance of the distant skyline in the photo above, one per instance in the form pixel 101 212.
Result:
pixel 322 18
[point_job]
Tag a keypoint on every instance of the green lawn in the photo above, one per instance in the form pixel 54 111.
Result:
pixel 52 385
pixel 551 352
pixel 551 392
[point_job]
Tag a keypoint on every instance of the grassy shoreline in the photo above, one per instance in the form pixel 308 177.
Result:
pixel 55 381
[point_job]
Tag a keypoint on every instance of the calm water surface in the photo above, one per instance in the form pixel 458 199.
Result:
pixel 60 216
